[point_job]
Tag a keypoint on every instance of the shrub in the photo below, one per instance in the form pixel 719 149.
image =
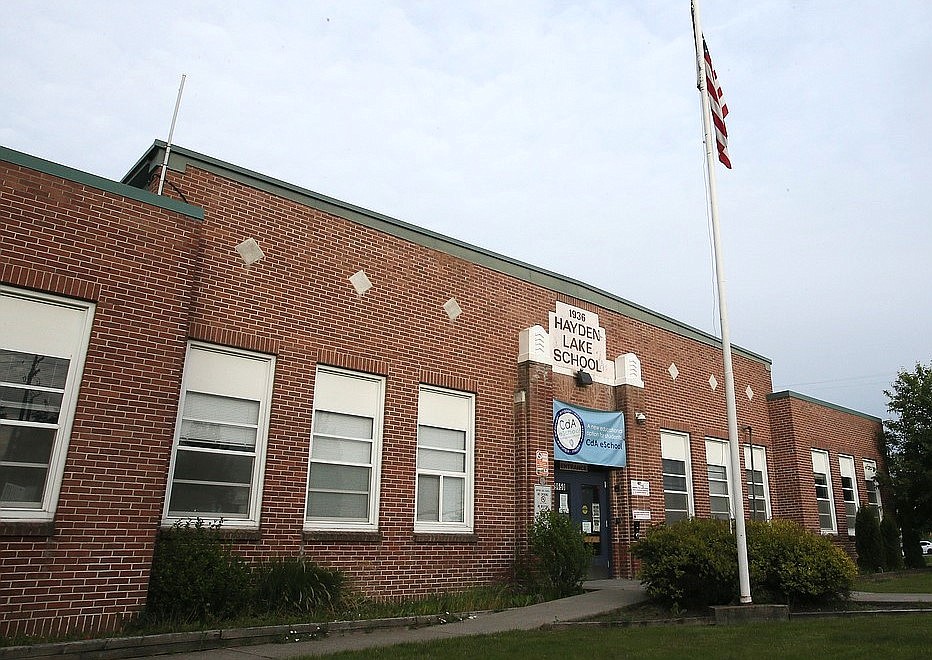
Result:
pixel 296 585
pixel 559 557
pixel 867 541
pixel 695 562
pixel 195 577
pixel 890 540
pixel 789 564
pixel 691 562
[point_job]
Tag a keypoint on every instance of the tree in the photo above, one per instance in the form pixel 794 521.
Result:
pixel 867 540
pixel 907 447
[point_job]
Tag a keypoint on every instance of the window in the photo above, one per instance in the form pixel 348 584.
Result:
pixel 43 341
pixel 445 442
pixel 823 491
pixel 716 456
pixel 755 463
pixel 677 478
pixel 220 436
pixel 870 487
pixel 849 490
pixel 346 449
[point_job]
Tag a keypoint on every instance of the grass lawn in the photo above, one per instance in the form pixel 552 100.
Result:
pixel 901 636
pixel 899 582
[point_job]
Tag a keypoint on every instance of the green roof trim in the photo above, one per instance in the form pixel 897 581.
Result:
pixel 180 158
pixel 789 394
pixel 99 182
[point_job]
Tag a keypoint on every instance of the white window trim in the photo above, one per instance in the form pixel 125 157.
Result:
pixel 690 494
pixel 375 480
pixel 831 491
pixel 251 521
pixel 721 445
pixel 870 467
pixel 62 441
pixel 466 526
pixel 758 450
pixel 842 460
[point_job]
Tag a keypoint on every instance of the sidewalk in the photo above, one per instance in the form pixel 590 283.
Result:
pixel 605 595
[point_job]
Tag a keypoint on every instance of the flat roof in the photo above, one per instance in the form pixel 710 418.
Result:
pixel 100 183
pixel 789 394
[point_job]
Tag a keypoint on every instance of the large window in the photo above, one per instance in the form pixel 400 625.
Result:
pixel 849 490
pixel 716 456
pixel 346 448
pixel 444 461
pixel 823 491
pixel 677 476
pixel 43 341
pixel 870 487
pixel 755 464
pixel 220 436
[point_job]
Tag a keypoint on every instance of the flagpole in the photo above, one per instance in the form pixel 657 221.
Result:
pixel 744 582
pixel 171 132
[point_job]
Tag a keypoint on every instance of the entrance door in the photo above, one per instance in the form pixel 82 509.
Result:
pixel 584 497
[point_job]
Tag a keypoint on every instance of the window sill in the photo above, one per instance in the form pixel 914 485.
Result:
pixel 341 536
pixel 230 533
pixel 27 528
pixel 446 537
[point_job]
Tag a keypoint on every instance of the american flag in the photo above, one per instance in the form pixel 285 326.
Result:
pixel 719 109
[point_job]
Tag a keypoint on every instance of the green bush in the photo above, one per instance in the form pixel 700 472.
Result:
pixel 296 585
pixel 695 562
pixel 195 577
pixel 559 557
pixel 867 540
pixel 789 564
pixel 688 563
pixel 890 540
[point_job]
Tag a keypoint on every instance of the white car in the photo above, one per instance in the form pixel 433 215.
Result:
pixel 926 547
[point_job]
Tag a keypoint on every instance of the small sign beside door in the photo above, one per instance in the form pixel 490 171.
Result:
pixel 542 499
pixel 543 464
pixel 640 488
pixel 639 514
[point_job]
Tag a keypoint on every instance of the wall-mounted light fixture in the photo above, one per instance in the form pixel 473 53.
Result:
pixel 583 378
pixel 640 417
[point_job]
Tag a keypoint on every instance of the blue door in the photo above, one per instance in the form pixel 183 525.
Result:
pixel 582 494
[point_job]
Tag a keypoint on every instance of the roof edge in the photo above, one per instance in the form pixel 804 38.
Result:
pixel 181 157
pixel 789 394
pixel 98 182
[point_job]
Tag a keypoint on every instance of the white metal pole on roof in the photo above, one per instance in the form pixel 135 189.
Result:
pixel 171 132
pixel 744 582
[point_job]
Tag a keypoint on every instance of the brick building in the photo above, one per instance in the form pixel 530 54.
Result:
pixel 335 382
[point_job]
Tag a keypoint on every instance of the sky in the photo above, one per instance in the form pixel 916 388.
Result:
pixel 566 135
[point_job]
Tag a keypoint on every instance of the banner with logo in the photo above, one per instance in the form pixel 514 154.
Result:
pixel 582 435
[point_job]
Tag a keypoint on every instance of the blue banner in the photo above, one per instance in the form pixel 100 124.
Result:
pixel 582 435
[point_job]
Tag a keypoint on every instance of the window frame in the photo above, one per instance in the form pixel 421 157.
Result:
pixel 824 456
pixel 715 446
pixel 467 426
pixel 74 349
pixel 371 524
pixel 759 450
pixel 251 519
pixel 871 487
pixel 850 516
pixel 676 436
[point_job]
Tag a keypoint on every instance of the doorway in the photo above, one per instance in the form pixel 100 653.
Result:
pixel 582 494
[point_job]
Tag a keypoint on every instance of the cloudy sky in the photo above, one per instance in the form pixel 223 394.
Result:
pixel 564 134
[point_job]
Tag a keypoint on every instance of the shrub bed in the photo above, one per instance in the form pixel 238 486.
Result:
pixel 694 563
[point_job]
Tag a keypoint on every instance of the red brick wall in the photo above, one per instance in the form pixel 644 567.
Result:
pixel 799 426
pixel 160 279
pixel 300 297
pixel 134 261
